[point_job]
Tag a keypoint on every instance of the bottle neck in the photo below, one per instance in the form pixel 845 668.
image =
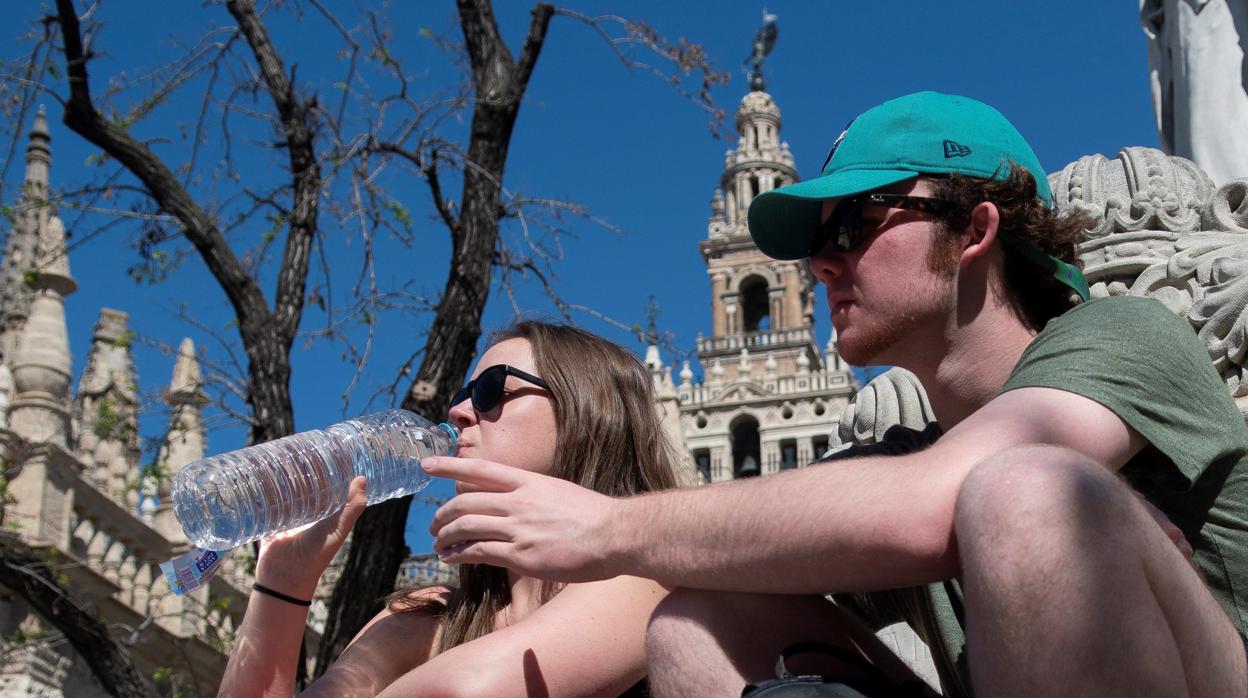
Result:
pixel 453 434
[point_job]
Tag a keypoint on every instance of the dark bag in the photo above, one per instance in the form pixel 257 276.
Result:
pixel 872 684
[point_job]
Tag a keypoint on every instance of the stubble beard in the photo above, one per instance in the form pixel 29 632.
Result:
pixel 870 345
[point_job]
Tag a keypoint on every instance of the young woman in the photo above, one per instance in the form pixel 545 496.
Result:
pixel 548 398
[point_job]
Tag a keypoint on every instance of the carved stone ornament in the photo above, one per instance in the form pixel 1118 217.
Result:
pixel 1166 232
pixel 894 397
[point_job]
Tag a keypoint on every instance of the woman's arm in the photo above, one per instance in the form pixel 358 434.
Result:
pixel 587 641
pixel 266 650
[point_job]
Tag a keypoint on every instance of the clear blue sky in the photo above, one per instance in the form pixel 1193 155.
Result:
pixel 1071 75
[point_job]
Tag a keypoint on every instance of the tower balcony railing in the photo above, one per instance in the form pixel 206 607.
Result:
pixel 821 382
pixel 754 340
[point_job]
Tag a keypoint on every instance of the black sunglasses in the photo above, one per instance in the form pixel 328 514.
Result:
pixel 486 390
pixel 844 227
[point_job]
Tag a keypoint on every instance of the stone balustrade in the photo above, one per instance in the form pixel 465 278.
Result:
pixel 110 557
pixel 110 541
pixel 813 382
pixel 754 340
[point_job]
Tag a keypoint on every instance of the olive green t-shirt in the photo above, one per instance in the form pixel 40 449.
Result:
pixel 1136 357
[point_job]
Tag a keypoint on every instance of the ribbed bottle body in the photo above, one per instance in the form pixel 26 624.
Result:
pixel 244 495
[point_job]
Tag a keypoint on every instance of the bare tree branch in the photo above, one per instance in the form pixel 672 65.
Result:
pixel 269 367
pixel 429 168
pixel 684 57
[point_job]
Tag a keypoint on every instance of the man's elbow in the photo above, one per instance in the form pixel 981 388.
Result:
pixel 921 551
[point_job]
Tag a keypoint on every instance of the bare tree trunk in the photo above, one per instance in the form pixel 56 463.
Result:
pixel 27 571
pixel 268 350
pixel 500 82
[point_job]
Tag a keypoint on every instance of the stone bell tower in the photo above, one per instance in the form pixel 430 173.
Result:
pixel 770 397
pixel 767 304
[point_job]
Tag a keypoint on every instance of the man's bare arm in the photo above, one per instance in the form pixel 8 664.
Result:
pixel 856 525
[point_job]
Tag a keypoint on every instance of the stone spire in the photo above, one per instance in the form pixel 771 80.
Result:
pixel 186 386
pixel 31 216
pixel 39 155
pixel 184 443
pixel 768 399
pixel 653 360
pixel 833 357
pixel 667 402
pixel 41 361
pixel 106 410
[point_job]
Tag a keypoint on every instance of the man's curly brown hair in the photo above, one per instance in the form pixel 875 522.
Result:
pixel 1031 292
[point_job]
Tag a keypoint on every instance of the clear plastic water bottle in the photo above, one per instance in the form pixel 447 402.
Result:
pixel 244 495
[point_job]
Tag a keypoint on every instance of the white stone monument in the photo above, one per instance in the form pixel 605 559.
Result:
pixel 1199 76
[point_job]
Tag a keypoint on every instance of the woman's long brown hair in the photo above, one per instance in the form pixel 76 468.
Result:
pixel 609 440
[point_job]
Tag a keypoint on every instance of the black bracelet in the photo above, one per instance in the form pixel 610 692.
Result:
pixel 279 595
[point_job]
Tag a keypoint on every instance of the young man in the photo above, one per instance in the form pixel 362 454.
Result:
pixel 1021 544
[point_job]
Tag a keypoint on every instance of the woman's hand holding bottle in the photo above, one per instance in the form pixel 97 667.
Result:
pixel 292 562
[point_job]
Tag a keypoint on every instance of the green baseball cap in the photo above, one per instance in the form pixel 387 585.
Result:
pixel 920 133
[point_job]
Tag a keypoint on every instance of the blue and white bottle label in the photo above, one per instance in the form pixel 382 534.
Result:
pixel 193 569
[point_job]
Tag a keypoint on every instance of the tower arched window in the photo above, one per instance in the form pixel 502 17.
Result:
pixel 788 454
pixel 746 448
pixel 702 458
pixel 756 308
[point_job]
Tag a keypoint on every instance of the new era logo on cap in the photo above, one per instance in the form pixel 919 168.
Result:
pixel 835 145
pixel 956 150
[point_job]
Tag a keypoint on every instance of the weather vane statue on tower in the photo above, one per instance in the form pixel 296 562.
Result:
pixel 764 41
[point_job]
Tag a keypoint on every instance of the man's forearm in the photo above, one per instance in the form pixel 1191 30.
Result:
pixel 857 525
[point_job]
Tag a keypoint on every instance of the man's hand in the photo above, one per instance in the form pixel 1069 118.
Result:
pixel 292 561
pixel 536 525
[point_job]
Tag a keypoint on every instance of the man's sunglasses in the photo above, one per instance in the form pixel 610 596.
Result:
pixel 486 390
pixel 844 227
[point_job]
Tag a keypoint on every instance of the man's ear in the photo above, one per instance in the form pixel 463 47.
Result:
pixel 981 233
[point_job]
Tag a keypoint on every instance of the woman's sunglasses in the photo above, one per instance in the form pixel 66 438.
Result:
pixel 486 390
pixel 844 227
